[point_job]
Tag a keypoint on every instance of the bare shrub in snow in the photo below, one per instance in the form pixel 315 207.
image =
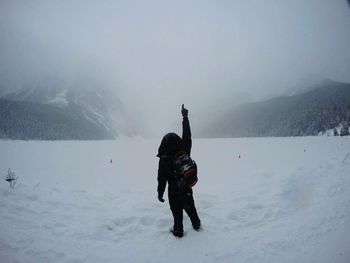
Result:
pixel 11 178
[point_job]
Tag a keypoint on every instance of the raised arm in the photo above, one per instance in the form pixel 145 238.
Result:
pixel 186 131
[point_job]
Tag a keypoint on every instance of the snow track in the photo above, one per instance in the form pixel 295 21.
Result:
pixel 283 200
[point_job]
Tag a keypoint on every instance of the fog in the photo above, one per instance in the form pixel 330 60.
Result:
pixel 157 55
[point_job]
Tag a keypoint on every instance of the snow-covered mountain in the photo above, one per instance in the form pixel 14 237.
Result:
pixel 310 111
pixel 86 105
pixel 306 85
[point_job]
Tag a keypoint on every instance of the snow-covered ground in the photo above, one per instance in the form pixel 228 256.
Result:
pixel 283 200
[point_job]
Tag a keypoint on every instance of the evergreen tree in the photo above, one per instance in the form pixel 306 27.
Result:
pixel 344 130
pixel 335 132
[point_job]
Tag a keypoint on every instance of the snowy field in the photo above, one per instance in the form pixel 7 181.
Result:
pixel 283 200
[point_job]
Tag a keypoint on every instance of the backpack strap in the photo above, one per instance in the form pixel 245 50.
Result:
pixel 179 153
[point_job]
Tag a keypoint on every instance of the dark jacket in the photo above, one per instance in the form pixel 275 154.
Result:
pixel 170 145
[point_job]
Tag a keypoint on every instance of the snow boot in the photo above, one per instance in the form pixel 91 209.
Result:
pixel 197 227
pixel 177 233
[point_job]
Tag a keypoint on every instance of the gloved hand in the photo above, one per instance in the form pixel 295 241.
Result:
pixel 160 198
pixel 184 111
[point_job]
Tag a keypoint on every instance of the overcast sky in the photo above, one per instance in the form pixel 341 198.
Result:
pixel 160 54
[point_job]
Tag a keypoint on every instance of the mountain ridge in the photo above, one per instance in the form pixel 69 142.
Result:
pixel 96 113
pixel 309 113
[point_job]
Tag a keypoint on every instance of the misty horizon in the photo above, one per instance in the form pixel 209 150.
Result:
pixel 156 55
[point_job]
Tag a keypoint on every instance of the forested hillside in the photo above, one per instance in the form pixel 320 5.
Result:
pixel 311 113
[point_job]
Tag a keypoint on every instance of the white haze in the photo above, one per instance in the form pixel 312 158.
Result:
pixel 160 54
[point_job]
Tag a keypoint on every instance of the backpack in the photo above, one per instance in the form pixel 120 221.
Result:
pixel 185 171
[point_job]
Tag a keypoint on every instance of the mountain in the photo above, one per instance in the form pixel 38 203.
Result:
pixel 55 111
pixel 35 121
pixel 308 84
pixel 309 113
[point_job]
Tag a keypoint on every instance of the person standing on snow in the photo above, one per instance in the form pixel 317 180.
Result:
pixel 179 199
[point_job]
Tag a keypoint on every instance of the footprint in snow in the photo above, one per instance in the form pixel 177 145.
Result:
pixel 203 204
pixel 250 215
pixel 164 222
pixel 147 220
pixel 108 227
pixel 124 221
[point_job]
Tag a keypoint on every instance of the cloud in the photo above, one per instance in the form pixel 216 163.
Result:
pixel 160 54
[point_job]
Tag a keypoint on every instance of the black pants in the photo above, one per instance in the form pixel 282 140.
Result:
pixel 178 203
